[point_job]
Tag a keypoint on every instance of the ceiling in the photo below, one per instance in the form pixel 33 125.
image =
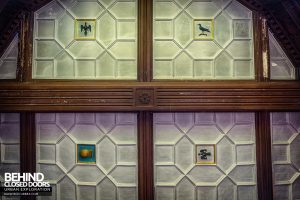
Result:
pixel 283 17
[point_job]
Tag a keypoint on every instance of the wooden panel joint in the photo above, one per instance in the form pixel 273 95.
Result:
pixel 144 97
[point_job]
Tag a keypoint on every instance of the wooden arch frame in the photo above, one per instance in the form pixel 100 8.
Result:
pixel 146 96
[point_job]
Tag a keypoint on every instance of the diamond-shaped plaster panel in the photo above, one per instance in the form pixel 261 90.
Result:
pixel 183 29
pixel 86 10
pixel 106 154
pixel 203 50
pixel 90 174
pixel 202 175
pixel 85 49
pixel 85 128
pixel 226 154
pixel 107 32
pixel 184 151
pixel 185 190
pixel 66 153
pixel 64 120
pixel 205 134
pixel 65 29
pixel 165 10
pixel 86 134
pixel 223 30
pixel 203 10
pixel 124 10
pixel 116 24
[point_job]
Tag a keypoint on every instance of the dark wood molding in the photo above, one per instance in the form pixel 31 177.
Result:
pixel 264 156
pixel 24 72
pixel 145 156
pixel 297 73
pixel 167 96
pixel 144 97
pixel 261 48
pixel 258 59
pixel 145 40
pixel 27 146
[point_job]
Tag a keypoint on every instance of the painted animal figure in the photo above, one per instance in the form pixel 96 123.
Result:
pixel 203 154
pixel 202 29
pixel 86 28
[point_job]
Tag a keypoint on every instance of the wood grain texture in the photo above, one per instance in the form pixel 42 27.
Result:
pixel 264 156
pixel 168 96
pixel 144 40
pixel 145 156
pixel 24 70
pixel 27 146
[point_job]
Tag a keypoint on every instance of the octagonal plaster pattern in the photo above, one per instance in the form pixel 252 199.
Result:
pixel 286 154
pixel 111 55
pixel 176 175
pixel 113 176
pixel 9 145
pixel 8 61
pixel 229 55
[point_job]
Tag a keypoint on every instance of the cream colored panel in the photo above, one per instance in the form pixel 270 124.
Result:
pixel 280 65
pixel 286 155
pixel 177 176
pixel 113 176
pixel 9 145
pixel 111 54
pixel 180 52
pixel 8 61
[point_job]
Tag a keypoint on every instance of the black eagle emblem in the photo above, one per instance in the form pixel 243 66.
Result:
pixel 86 28
pixel 203 29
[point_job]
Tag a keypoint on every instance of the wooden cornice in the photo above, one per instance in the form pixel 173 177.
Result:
pixel 155 96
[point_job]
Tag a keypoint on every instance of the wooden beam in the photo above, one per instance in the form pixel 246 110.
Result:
pixel 24 72
pixel 264 156
pixel 145 40
pixel 27 146
pixel 145 156
pixel 159 96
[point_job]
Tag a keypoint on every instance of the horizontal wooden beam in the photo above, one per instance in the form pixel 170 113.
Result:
pixel 153 96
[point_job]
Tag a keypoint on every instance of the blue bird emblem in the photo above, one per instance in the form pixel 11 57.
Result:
pixel 203 29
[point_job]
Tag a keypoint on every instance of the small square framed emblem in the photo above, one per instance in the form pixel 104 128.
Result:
pixel 86 153
pixel 203 29
pixel 85 29
pixel 206 154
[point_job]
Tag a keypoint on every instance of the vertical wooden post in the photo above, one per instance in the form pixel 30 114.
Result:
pixel 145 40
pixel 24 71
pixel 27 145
pixel 261 48
pixel 264 156
pixel 145 156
